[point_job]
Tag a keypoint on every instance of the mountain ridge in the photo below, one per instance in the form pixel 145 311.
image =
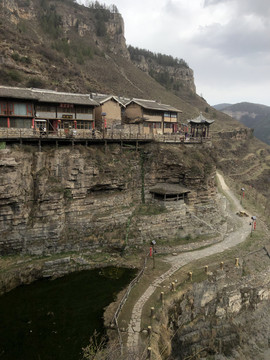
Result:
pixel 64 46
pixel 255 116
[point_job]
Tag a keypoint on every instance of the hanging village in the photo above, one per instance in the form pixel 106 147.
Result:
pixel 38 113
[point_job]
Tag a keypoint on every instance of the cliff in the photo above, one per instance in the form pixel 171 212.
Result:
pixel 174 74
pixel 214 318
pixel 67 199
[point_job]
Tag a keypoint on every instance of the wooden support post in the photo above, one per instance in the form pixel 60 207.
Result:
pixel 149 352
pixel 173 286
pixel 39 145
pixel 162 297
pixel 152 312
pixel 149 330
pixel 236 262
pixel 221 265
pixel 206 269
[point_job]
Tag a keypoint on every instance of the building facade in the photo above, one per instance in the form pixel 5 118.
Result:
pixel 48 110
pixel 155 118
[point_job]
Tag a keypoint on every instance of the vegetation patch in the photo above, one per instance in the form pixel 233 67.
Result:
pixel 150 209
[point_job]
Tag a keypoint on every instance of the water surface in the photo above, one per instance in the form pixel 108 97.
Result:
pixel 53 320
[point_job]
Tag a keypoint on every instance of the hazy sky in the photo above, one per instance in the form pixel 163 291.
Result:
pixel 225 42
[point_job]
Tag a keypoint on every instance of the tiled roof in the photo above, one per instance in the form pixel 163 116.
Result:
pixel 102 98
pixel 153 105
pixel 16 92
pixel 201 120
pixel 62 97
pixel 42 95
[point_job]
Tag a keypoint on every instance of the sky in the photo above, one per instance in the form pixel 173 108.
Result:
pixel 225 42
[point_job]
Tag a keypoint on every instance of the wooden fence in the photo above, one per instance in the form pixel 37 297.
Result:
pixel 124 299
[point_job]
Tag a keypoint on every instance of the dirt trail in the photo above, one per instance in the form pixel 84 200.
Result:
pixel 230 240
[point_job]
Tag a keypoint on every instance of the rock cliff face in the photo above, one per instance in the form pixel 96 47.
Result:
pixel 81 20
pixel 180 76
pixel 213 320
pixel 70 199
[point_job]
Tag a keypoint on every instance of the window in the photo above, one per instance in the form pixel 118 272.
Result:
pixel 84 110
pixel 45 108
pixel 3 108
pixel 152 112
pixel 21 123
pixel 19 109
pixel 65 110
pixel 3 122
pixel 84 125
pixel 10 109
pixel 29 110
pixel 168 125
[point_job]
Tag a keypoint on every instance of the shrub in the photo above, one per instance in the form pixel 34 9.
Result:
pixel 35 82
pixel 14 75
pixel 15 56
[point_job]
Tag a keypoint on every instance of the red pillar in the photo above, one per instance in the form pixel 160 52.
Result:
pixel 8 122
pixel 33 123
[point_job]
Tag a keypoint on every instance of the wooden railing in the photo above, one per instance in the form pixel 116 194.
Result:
pixel 124 299
pixel 12 133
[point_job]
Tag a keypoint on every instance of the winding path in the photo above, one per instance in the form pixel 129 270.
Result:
pixel 182 259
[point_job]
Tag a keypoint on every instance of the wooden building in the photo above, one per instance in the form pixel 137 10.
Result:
pixel 17 108
pixel 200 126
pixel 37 108
pixel 154 117
pixel 108 114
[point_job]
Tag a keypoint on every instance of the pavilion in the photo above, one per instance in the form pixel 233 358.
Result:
pixel 200 126
pixel 169 192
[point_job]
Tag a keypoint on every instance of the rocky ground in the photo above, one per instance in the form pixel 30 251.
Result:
pixel 250 343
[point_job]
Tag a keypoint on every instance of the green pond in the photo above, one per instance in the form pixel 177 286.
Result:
pixel 53 320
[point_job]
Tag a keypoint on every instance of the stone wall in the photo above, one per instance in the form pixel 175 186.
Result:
pixel 237 134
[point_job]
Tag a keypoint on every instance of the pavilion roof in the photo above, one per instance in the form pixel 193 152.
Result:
pixel 169 189
pixel 201 120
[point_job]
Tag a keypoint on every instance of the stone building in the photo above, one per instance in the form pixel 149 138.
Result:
pixel 108 114
pixel 152 117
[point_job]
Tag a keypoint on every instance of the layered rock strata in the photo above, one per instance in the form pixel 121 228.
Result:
pixel 70 199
